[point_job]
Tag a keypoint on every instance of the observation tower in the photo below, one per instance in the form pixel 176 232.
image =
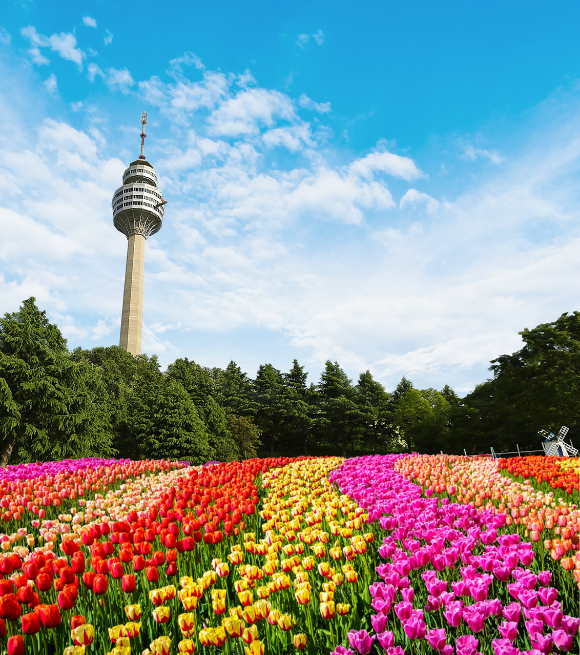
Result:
pixel 138 208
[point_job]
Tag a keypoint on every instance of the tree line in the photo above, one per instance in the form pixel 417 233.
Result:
pixel 104 402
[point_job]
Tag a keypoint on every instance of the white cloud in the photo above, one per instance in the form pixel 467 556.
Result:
pixel 303 39
pixel 413 198
pixel 119 80
pixel 50 84
pixel 187 59
pixel 76 106
pixel 472 154
pixel 89 22
pixel 64 44
pixel 5 36
pixel 248 111
pixel 307 103
pixel 34 37
pixel 101 330
pixel 293 138
pixel 93 71
pixel 108 38
pixel 386 162
pixel 38 58
pixel 246 79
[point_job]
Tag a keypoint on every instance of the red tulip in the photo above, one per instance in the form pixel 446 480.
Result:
pixel 2 629
pixel 30 623
pixel 100 584
pixel 78 565
pixel 171 570
pixel 10 607
pixel 152 573
pixel 138 563
pixel 116 570
pixel 76 621
pixel 65 600
pixel 16 645
pixel 6 587
pixel 31 570
pixel 128 583
pixel 88 579
pixel 43 582
pixel 25 595
pixel 49 615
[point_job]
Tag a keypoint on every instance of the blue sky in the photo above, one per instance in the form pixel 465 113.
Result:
pixel 390 185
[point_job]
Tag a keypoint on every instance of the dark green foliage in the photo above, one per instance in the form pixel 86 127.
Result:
pixel 200 384
pixel 535 388
pixel 423 417
pixel 51 406
pixel 101 402
pixel 165 423
pixel 245 434
pixel 341 419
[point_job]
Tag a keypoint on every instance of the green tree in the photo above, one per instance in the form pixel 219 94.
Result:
pixel 380 434
pixel 163 421
pixel 245 434
pixel 272 404
pixel 424 419
pixel 300 403
pixel 200 384
pixel 535 388
pixel 234 391
pixel 116 369
pixel 49 408
pixel 341 421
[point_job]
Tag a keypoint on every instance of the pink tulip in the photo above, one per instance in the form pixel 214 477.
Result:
pixel 552 617
pixel 437 639
pixel 542 643
pixel 563 641
pixel 544 577
pixel 474 619
pixel 570 624
pixel 512 612
pixel 403 610
pixel 379 622
pixel 386 639
pixel 528 598
pixel 548 595
pixel 504 647
pixel 361 640
pixel 508 630
pixel 415 628
pixel 453 616
pixel 534 627
pixel 466 645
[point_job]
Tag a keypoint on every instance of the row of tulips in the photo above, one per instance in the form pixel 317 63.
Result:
pixel 46 489
pixel 92 577
pixel 173 559
pixel 457 578
pixel 552 523
pixel 558 474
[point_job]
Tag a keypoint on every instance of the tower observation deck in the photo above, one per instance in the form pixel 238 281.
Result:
pixel 138 208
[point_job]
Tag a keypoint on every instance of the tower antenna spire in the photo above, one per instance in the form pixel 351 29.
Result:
pixel 143 135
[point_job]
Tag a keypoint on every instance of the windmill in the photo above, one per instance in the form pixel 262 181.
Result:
pixel 555 446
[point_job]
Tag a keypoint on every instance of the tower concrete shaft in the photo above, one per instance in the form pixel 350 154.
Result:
pixel 132 315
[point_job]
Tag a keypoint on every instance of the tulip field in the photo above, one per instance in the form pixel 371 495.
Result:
pixel 397 554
